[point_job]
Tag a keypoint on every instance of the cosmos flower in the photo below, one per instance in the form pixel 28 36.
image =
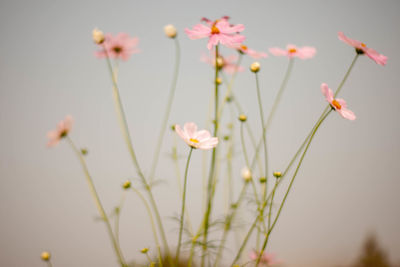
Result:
pixel 338 104
pixel 291 51
pixel 196 139
pixel 361 48
pixel 62 131
pixel 243 49
pixel 267 259
pixel 227 64
pixel 219 31
pixel 120 46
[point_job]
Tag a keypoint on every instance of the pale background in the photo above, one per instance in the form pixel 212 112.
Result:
pixel 347 188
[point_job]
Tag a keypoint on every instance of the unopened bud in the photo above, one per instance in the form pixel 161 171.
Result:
pixel 45 256
pixel 246 174
pixel 220 62
pixel 218 80
pixel 263 180
pixel 277 174
pixel 144 250
pixel 84 151
pixel 255 67
pixel 170 31
pixel 126 184
pixel 98 36
pixel 242 117
pixel 173 127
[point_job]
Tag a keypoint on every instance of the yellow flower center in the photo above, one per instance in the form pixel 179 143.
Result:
pixel 214 29
pixel 292 50
pixel 363 45
pixel 194 140
pixel 243 47
pixel 336 104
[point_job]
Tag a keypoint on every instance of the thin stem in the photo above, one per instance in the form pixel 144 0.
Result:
pixel 211 182
pixel 244 243
pixel 346 75
pixel 118 216
pixel 280 92
pixel 183 206
pixel 272 202
pixel 153 227
pixel 125 132
pixel 290 186
pixel 167 111
pixel 49 264
pixel 96 199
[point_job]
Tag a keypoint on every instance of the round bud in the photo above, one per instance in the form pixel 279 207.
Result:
pixel 218 80
pixel 255 67
pixel 173 127
pixel 98 36
pixel 277 174
pixel 220 62
pixel 45 256
pixel 263 180
pixel 144 250
pixel 126 184
pixel 170 31
pixel 246 174
pixel 242 117
pixel 84 151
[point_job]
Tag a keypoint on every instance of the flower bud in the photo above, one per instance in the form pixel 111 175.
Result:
pixel 242 117
pixel 246 174
pixel 170 31
pixel 98 36
pixel 126 184
pixel 84 151
pixel 263 180
pixel 45 256
pixel 277 174
pixel 255 67
pixel 220 62
pixel 218 80
pixel 144 250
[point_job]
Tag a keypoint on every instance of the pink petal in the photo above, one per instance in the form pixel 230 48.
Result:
pixel 199 31
pixel 375 56
pixel 208 144
pixel 349 41
pixel 213 41
pixel 276 51
pixel 342 102
pixel 327 92
pixel 202 135
pixel 190 129
pixel 181 133
pixel 306 52
pixel 347 114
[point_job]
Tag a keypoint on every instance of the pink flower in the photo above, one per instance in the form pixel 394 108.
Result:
pixel 267 259
pixel 196 139
pixel 227 64
pixel 291 51
pixel 254 54
pixel 62 131
pixel 338 104
pixel 361 48
pixel 219 31
pixel 121 46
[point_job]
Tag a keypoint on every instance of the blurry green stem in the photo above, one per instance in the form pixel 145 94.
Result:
pixel 96 199
pixel 347 74
pixel 183 206
pixel 167 111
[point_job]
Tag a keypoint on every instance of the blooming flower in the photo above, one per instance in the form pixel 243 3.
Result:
pixel 62 131
pixel 196 139
pixel 338 104
pixel 227 64
pixel 267 259
pixel 361 48
pixel 291 51
pixel 243 49
pixel 219 31
pixel 120 46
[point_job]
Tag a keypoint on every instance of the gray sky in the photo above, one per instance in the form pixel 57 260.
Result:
pixel 347 187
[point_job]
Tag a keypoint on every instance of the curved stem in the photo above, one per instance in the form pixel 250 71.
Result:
pixel 183 206
pixel 346 75
pixel 290 186
pixel 211 178
pixel 118 216
pixel 96 199
pixel 167 112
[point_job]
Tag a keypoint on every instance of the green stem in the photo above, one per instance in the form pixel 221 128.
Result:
pixel 272 202
pixel 96 199
pixel 244 243
pixel 125 132
pixel 117 217
pixel 49 264
pixel 183 206
pixel 290 186
pixel 211 182
pixel 167 111
pixel 346 75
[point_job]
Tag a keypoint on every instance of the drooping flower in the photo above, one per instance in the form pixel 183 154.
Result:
pixel 120 46
pixel 337 104
pixel 62 131
pixel 362 48
pixel 243 49
pixel 267 259
pixel 219 31
pixel 227 64
pixel 196 139
pixel 291 51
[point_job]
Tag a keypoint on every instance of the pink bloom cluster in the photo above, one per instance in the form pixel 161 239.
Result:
pixel 227 64
pixel 267 259
pixel 63 128
pixel 291 51
pixel 362 48
pixel 219 31
pixel 196 139
pixel 338 104
pixel 120 46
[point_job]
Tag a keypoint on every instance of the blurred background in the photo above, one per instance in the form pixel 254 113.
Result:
pixel 346 194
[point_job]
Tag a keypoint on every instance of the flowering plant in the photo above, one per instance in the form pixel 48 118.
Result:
pixel 259 184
